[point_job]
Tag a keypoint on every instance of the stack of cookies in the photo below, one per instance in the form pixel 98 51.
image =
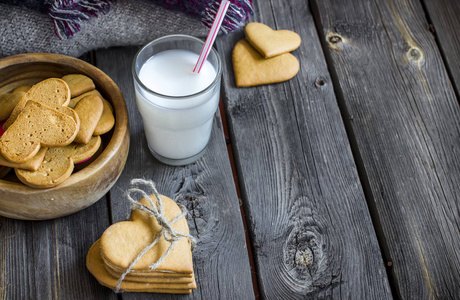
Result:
pixel 112 255
pixel 263 57
pixel 44 136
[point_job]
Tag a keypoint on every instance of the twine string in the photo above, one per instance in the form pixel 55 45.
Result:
pixel 156 211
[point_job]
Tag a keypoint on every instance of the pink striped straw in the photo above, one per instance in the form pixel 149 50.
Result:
pixel 212 35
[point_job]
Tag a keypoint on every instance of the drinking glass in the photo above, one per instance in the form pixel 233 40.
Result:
pixel 177 128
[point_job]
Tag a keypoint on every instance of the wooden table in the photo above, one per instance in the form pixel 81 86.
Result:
pixel 343 182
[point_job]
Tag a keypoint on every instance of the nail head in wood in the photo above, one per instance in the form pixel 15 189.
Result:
pixel 319 82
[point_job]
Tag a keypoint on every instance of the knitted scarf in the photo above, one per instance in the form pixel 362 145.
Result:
pixel 70 15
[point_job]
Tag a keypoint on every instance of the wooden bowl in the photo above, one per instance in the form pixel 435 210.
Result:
pixel 86 186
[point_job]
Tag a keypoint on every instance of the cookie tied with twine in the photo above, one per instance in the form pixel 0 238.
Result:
pixel 150 253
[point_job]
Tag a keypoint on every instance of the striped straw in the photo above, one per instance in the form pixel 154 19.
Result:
pixel 212 35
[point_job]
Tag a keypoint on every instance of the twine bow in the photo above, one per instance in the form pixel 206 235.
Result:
pixel 156 211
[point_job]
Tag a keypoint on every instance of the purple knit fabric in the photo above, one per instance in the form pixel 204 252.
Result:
pixel 191 7
pixel 236 15
pixel 69 16
pixel 128 23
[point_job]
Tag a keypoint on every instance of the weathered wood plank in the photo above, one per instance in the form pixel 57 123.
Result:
pixel 46 259
pixel 446 23
pixel 206 188
pixel 406 122
pixel 310 227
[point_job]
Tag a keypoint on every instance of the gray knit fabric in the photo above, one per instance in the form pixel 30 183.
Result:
pixel 129 22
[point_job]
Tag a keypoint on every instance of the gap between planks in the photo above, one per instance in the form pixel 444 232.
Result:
pixel 433 31
pixel 231 157
pixel 347 119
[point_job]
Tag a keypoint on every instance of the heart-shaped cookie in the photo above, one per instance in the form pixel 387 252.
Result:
pixel 269 42
pixel 58 164
pixel 52 92
pixel 32 164
pixel 252 69
pixel 4 170
pixel 78 84
pixel 22 88
pixel 123 241
pixel 96 266
pixel 8 103
pixel 107 119
pixel 37 125
pixel 89 110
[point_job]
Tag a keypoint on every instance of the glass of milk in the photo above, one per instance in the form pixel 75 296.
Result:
pixel 177 106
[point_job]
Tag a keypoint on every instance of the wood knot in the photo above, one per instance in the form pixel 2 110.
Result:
pixel 304 250
pixel 415 54
pixel 304 258
pixel 190 193
pixel 335 39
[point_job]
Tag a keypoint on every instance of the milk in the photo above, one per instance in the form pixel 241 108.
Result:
pixel 177 117
pixel 171 73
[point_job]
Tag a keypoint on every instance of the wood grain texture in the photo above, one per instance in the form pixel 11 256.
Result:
pixel 406 122
pixel 311 230
pixel 446 23
pixel 206 188
pixel 46 259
